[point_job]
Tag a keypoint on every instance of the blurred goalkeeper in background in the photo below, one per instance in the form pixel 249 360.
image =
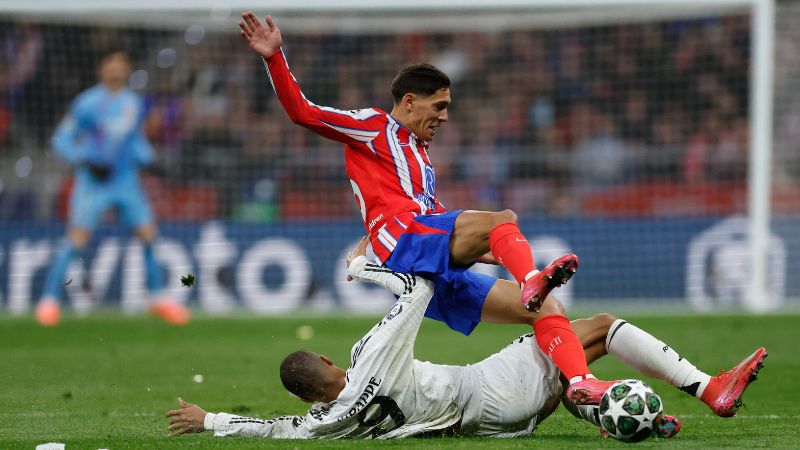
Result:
pixel 102 138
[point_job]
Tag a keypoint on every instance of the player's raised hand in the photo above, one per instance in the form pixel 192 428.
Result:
pixel 265 40
pixel 188 419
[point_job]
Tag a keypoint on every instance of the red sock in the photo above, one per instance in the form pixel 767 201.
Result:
pixel 511 250
pixel 557 340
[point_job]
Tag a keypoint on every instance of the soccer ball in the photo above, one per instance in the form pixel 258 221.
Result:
pixel 629 409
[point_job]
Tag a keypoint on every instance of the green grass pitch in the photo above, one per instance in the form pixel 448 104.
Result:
pixel 106 381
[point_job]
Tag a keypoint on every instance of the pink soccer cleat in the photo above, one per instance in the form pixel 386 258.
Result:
pixel 588 391
pixel 536 289
pixel 724 392
pixel 666 426
pixel 48 313
pixel 172 312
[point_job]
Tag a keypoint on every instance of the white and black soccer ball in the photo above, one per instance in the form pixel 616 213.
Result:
pixel 629 410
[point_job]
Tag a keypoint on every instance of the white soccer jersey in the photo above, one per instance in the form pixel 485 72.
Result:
pixel 385 395
pixel 388 394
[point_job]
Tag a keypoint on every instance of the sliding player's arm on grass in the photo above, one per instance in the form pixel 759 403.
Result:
pixel 190 418
pixel 349 127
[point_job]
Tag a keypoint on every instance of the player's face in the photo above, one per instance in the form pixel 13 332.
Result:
pixel 429 113
pixel 115 70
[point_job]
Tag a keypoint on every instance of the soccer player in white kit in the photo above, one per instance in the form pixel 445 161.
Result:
pixel 386 393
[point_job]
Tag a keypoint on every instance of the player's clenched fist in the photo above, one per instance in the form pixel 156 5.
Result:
pixel 266 40
pixel 188 419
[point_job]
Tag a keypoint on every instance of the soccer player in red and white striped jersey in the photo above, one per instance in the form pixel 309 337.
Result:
pixel 393 180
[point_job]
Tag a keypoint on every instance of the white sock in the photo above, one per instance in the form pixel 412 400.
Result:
pixel 589 413
pixel 653 358
pixel 579 378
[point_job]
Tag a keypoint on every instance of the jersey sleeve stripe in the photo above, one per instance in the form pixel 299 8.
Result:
pixel 400 162
pixel 286 64
pixel 269 75
pixel 357 131
pixel 359 135
pixel 362 114
pixel 420 161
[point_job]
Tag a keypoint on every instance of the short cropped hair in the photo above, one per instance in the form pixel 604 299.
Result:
pixel 420 79
pixel 301 374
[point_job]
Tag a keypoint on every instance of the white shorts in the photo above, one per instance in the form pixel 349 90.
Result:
pixel 520 386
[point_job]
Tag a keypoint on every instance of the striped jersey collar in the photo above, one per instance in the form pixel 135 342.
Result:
pixel 410 133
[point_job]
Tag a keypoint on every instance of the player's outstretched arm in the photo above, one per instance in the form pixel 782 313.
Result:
pixel 349 127
pixel 264 40
pixel 190 418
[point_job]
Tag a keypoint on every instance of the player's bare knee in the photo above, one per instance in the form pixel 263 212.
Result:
pixel 504 216
pixel 146 233
pixel 604 320
pixel 551 306
pixel 79 242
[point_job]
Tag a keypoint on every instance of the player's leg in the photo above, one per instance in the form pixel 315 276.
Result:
pixel 153 275
pixel 87 203
pixel 48 311
pixel 554 334
pixel 652 357
pixel 137 213
pixel 75 242
pixel 477 232
pixel 592 333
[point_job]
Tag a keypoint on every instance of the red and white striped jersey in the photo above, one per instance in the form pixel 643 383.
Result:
pixel 388 166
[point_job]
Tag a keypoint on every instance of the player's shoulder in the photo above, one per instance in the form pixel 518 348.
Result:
pixel 89 96
pixel 85 103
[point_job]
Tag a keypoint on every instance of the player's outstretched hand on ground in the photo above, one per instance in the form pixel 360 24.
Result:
pixel 188 419
pixel 265 40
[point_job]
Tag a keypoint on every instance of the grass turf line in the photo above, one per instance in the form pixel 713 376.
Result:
pixel 105 382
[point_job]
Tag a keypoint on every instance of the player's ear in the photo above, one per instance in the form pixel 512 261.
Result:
pixel 408 101
pixel 326 360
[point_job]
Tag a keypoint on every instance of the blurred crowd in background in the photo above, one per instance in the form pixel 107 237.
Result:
pixel 558 122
